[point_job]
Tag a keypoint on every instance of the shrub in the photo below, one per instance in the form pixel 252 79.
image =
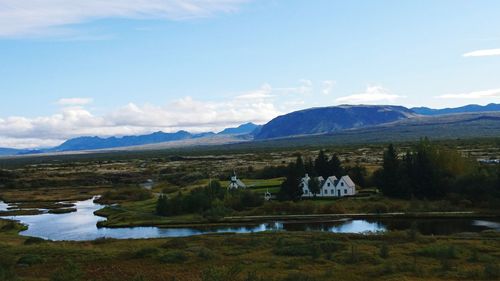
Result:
pixel 69 272
pixel 221 273
pixel 299 277
pixel 146 253
pixel 175 243
pixel 173 257
pixel 206 253
pixel 438 251
pixel 384 251
pixel 30 259
pixel 491 270
pixel 33 240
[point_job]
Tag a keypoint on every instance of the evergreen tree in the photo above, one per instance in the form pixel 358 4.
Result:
pixel 321 165
pixel 309 166
pixel 335 167
pixel 162 207
pixel 358 174
pixel 314 186
pixel 291 188
pixel 390 177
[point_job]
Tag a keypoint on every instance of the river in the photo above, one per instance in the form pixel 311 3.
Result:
pixel 81 225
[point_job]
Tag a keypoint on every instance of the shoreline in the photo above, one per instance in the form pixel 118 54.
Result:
pixel 316 218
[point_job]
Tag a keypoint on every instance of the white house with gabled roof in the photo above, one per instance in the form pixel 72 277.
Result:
pixel 331 187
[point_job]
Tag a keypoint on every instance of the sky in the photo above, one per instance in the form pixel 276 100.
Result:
pixel 126 67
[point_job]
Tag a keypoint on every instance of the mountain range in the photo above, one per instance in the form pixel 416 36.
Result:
pixel 314 121
pixel 462 109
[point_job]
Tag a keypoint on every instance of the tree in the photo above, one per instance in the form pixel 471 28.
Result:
pixel 314 186
pixel 358 174
pixel 335 167
pixel 162 207
pixel 390 177
pixel 321 165
pixel 291 188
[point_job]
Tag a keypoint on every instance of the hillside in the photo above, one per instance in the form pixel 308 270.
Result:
pixel 463 109
pixel 331 119
pixel 246 128
pixel 88 143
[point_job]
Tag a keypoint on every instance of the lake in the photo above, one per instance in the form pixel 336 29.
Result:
pixel 81 225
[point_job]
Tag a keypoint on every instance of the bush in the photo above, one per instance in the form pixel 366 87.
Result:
pixel 175 243
pixel 69 272
pixel 33 240
pixel 146 253
pixel 438 251
pixel 173 257
pixel 299 277
pixel 30 259
pixel 221 273
pixel 206 253
pixel 492 271
pixel 384 251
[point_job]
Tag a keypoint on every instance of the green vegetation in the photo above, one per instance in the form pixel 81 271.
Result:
pixel 260 256
pixel 429 171
pixel 183 195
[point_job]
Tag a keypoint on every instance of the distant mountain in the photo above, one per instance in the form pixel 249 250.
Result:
pixel 246 128
pixel 9 151
pixel 88 143
pixel 463 109
pixel 330 119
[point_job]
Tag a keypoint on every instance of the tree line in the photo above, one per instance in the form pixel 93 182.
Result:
pixel 428 171
pixel 212 201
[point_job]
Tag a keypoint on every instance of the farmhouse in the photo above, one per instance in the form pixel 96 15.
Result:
pixel 331 187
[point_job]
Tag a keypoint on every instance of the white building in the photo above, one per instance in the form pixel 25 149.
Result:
pixel 331 187
pixel 235 183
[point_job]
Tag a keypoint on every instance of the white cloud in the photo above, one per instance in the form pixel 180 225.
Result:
pixel 372 95
pixel 327 87
pixel 483 53
pixel 473 95
pixel 186 113
pixel 74 101
pixel 39 17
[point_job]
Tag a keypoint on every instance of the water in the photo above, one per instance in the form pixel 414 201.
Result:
pixel 3 206
pixel 81 225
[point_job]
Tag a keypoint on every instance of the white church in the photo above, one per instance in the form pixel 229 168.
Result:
pixel 331 187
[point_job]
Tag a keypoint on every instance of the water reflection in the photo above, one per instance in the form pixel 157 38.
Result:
pixel 3 206
pixel 81 225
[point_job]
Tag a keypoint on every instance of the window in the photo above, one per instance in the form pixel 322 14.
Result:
pixel 341 184
pixel 326 191
pixel 328 184
pixel 306 191
pixel 345 191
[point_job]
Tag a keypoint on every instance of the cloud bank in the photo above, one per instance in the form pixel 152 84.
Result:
pixel 483 53
pixel 372 95
pixel 73 119
pixel 40 17
pixel 473 95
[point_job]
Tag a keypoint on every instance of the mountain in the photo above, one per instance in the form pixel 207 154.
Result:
pixel 246 128
pixel 331 119
pixel 9 151
pixel 462 109
pixel 88 143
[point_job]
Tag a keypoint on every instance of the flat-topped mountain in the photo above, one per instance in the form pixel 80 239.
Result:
pixel 330 119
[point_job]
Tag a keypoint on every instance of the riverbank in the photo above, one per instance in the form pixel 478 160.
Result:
pixel 273 256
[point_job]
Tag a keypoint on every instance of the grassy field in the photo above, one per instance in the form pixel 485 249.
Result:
pixel 263 256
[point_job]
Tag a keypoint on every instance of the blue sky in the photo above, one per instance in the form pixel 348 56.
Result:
pixel 116 67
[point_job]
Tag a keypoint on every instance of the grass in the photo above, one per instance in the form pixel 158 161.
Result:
pixel 272 256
